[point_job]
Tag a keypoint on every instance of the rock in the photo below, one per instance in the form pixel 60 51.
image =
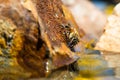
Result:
pixel 7 34
pixel 24 44
pixel 116 9
pixel 54 22
pixel 10 45
pixel 110 40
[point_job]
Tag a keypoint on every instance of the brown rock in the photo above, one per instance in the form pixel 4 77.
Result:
pixel 26 45
pixel 10 45
pixel 44 41
pixel 59 34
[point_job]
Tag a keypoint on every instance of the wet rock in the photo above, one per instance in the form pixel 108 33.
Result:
pixel 10 45
pixel 53 22
pixel 7 34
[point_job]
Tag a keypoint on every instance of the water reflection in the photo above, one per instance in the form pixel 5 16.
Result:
pixel 89 67
pixel 94 67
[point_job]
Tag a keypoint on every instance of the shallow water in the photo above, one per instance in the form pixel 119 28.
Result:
pixel 110 69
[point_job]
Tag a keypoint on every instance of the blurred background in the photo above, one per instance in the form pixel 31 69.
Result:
pixel 105 5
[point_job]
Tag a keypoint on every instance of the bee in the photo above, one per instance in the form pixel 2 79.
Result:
pixel 73 39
